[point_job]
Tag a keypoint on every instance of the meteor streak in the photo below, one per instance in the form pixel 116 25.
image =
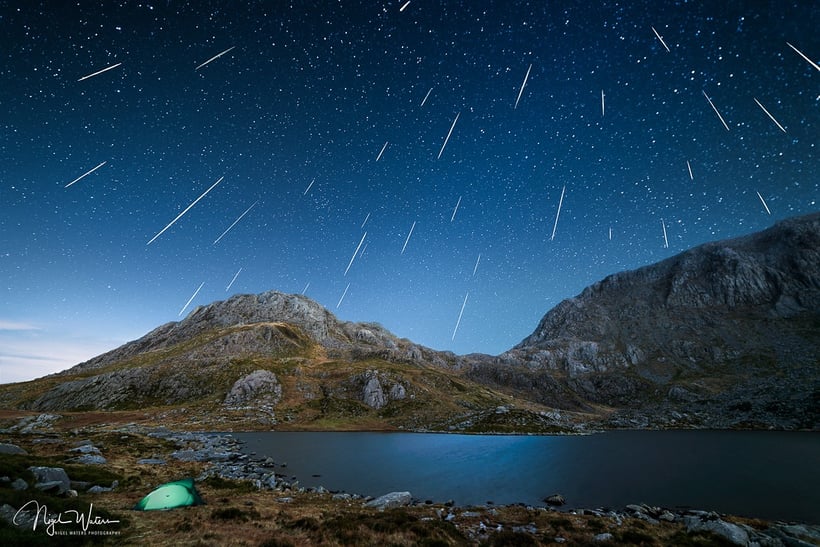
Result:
pixel 408 237
pixel 85 174
pixel 309 187
pixel 603 109
pixel 425 97
pixel 343 295
pixel 763 201
pixel 665 241
pixel 382 152
pixel 235 221
pixel 459 316
pixel 770 116
pixel 561 201
pixel 448 136
pixel 812 63
pixel 185 211
pixel 476 263
pixel 196 292
pixel 352 258
pixel 99 72
pixel 215 57
pixel 716 111
pixel 232 280
pixel 691 177
pixel 452 218
pixel 661 39
pixel 521 91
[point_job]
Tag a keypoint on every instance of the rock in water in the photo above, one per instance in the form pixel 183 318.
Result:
pixel 555 499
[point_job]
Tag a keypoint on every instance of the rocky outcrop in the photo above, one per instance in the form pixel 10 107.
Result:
pixel 391 501
pixel 260 386
pixel 378 389
pixel 703 328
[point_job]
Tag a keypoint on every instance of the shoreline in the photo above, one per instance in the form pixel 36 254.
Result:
pixel 259 495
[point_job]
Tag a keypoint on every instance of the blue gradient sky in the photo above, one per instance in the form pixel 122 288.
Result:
pixel 311 91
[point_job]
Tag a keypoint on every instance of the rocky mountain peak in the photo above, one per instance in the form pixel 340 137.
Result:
pixel 270 306
pixel 771 274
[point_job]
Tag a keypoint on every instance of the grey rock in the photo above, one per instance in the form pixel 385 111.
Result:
pixel 54 487
pixel 21 519
pixel 342 496
pixel 286 499
pixel 732 532
pixel 19 484
pixel 259 384
pixel 391 500
pixel 203 455
pixel 47 478
pixel 606 536
pixel 397 392
pixel 7 448
pixel 86 449
pixel 151 461
pixel 373 393
pixel 90 459
pixel 667 516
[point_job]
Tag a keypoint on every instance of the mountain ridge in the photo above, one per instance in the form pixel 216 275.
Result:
pixel 726 334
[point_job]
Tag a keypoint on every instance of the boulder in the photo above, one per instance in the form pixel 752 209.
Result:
pixel 19 484
pixel 373 394
pixel 90 459
pixel 6 448
pixel 259 384
pixel 397 392
pixel 391 500
pixel 732 532
pixel 603 537
pixel 47 478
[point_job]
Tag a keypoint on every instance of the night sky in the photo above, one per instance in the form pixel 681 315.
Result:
pixel 293 118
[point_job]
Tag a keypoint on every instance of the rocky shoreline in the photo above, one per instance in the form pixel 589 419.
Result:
pixel 219 459
pixel 228 462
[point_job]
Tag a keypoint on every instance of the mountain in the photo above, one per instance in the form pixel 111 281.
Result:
pixel 727 333
pixel 724 335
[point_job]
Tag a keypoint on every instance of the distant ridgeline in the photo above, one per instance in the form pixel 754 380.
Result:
pixel 725 335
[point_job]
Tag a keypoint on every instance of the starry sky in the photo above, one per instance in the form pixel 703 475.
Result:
pixel 432 142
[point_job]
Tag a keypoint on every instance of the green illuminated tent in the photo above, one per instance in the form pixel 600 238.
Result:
pixel 170 495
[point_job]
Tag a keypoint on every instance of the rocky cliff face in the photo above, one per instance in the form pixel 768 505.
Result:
pixel 724 335
pixel 734 324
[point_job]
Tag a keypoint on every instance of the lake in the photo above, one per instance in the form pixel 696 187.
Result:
pixel 772 475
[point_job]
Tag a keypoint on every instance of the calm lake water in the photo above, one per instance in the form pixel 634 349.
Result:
pixel 774 475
